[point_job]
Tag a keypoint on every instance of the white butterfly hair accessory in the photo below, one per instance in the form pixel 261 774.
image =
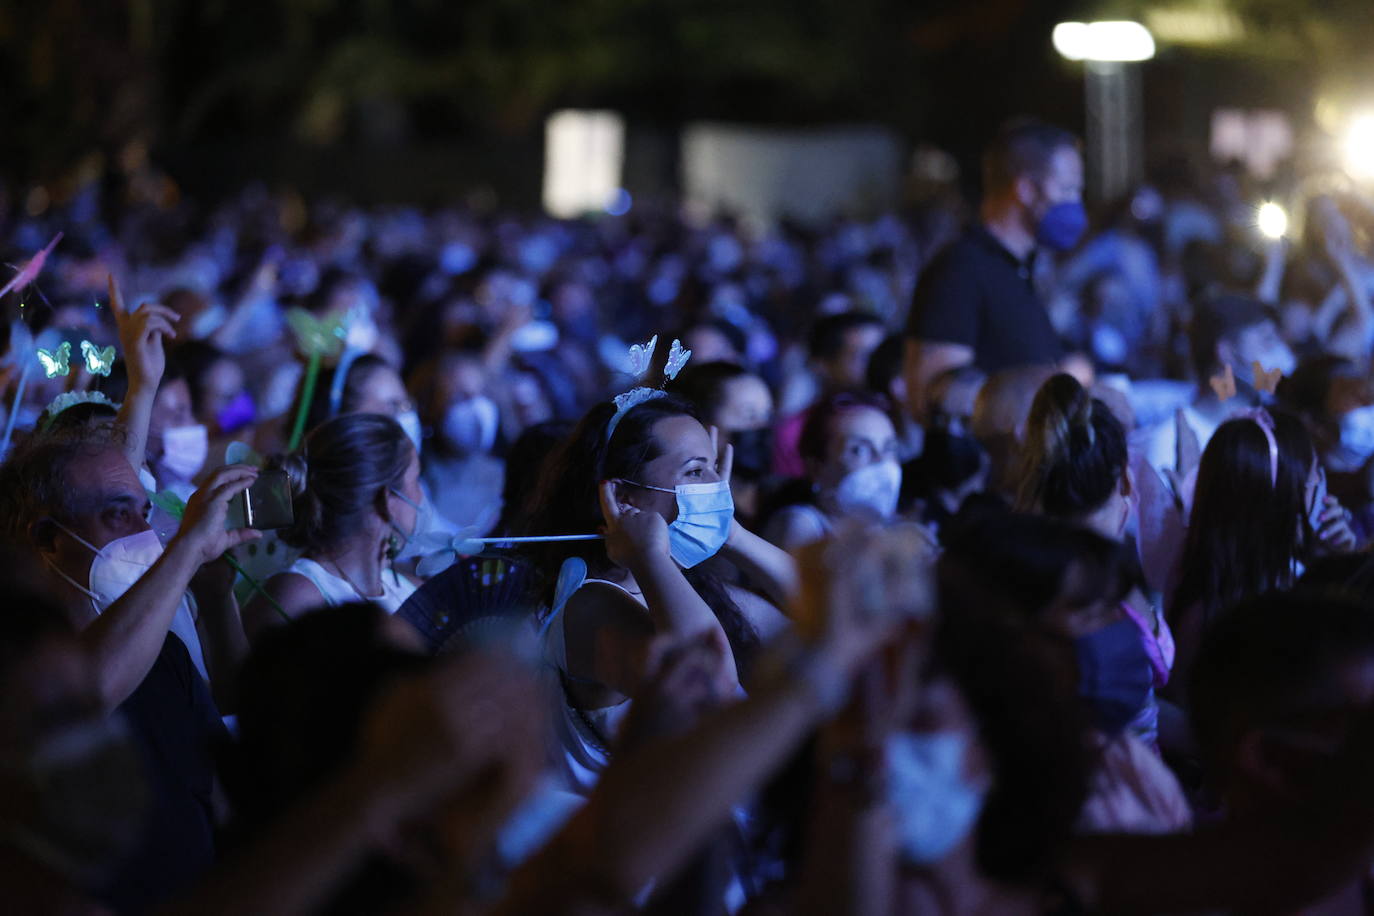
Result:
pixel 641 357
pixel 677 358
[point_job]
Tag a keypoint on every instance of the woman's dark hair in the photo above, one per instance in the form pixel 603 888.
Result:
pixel 1075 452
pixel 355 384
pixel 814 444
pixel 568 502
pixel 345 466
pixel 704 385
pixel 1245 531
pixel 524 466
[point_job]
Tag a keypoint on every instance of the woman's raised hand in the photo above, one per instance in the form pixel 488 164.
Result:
pixel 632 534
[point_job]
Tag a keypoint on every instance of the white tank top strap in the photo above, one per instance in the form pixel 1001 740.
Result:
pixel 335 590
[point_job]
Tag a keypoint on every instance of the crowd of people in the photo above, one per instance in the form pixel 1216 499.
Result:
pixel 996 559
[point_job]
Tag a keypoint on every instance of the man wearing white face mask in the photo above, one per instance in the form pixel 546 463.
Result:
pixel 77 507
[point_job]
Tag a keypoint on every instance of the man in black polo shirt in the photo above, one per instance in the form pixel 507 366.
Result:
pixel 976 303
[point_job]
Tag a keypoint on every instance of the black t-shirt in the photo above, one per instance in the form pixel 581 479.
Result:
pixel 178 728
pixel 977 293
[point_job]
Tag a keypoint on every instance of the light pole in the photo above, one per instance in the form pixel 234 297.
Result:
pixel 1115 122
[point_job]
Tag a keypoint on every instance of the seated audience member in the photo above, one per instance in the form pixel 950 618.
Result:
pixel 1230 334
pixel 850 449
pixel 650 476
pixel 1075 468
pixel 1069 582
pixel 839 347
pixel 357 503
pixel 75 508
pixel 1336 401
pixel 739 404
pixel 1259 513
pixel 461 469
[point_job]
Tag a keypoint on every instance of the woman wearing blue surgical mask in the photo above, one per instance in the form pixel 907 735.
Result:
pixel 656 483
pixel 357 504
pixel 850 449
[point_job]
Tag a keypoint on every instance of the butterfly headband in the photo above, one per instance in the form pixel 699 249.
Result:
pixel 1261 418
pixel 69 399
pixel 641 357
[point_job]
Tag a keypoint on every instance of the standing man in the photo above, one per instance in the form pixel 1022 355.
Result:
pixel 976 303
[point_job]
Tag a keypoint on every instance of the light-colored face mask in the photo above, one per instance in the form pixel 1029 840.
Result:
pixel 470 425
pixel 872 490
pixel 705 512
pixel 933 803
pixel 184 449
pixel 1357 433
pixel 117 565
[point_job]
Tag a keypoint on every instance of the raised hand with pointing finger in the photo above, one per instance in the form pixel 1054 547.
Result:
pixel 141 335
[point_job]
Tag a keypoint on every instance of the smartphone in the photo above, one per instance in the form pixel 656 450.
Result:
pixel 265 505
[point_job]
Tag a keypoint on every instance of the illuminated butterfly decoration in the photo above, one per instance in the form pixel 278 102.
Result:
pixel 56 361
pixel 1224 384
pixel 1266 380
pixel 641 355
pixel 677 358
pixel 317 336
pixel 98 362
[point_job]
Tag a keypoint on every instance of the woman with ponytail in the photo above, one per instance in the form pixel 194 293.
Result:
pixel 356 499
pixel 1075 468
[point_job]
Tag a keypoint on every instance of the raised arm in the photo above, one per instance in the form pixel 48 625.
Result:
pixel 125 640
pixel 141 333
pixel 770 568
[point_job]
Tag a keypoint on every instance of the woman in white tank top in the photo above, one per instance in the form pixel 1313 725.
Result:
pixel 357 501
pixel 657 485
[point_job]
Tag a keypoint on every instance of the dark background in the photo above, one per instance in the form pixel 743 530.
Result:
pixel 421 98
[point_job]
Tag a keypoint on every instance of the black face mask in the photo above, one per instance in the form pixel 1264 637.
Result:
pixel 753 452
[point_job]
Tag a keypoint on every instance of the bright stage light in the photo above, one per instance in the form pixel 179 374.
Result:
pixel 1272 220
pixel 1104 41
pixel 1359 146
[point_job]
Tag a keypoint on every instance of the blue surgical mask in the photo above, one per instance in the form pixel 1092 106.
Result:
pixel 933 803
pixel 1114 675
pixel 704 514
pixel 1062 225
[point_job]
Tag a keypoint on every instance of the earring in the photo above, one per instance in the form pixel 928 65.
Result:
pixel 393 546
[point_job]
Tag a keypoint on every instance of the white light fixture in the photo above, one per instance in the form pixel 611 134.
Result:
pixel 583 153
pixel 1272 220
pixel 1104 41
pixel 1359 146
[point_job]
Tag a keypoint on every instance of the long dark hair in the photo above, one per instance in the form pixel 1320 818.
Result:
pixel 1244 533
pixel 567 501
pixel 1075 452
